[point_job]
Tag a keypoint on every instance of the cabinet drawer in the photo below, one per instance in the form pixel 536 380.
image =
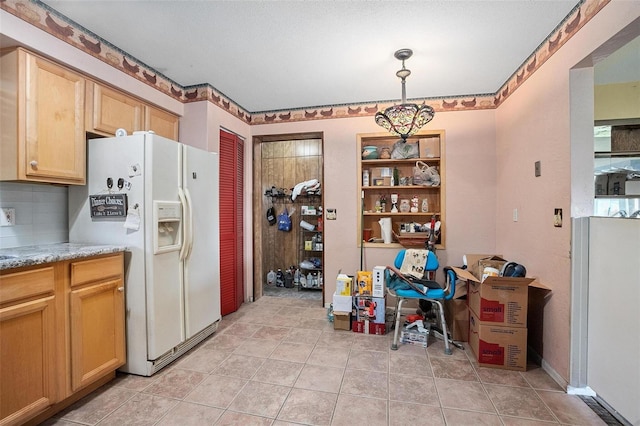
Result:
pixel 85 271
pixel 21 285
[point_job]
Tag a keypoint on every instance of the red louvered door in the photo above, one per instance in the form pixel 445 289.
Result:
pixel 231 222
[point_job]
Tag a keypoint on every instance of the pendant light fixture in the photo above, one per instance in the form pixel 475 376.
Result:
pixel 405 119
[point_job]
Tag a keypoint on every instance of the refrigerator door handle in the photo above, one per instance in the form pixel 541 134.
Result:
pixel 190 222
pixel 185 226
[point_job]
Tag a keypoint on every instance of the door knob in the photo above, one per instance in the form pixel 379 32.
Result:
pixel 34 164
pixel 120 289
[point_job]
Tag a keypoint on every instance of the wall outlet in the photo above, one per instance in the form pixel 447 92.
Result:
pixel 8 217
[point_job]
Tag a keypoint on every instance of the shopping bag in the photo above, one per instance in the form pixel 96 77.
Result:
pixel 284 221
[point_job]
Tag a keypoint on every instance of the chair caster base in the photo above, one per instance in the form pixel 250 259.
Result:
pixel 394 347
pixel 448 351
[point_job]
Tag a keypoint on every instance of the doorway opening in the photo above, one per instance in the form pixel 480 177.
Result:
pixel 288 179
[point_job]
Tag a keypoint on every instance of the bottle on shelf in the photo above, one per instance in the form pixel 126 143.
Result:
pixel 271 277
pixel 279 278
pixel 365 178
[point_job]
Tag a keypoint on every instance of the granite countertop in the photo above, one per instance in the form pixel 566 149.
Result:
pixel 17 257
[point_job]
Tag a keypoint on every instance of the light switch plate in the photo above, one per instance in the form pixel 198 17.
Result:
pixel 8 217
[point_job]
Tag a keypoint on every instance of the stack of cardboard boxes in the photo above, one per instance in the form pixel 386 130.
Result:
pixel 360 305
pixel 497 313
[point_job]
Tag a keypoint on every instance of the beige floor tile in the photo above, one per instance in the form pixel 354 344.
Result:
pixel 326 355
pixel 256 347
pixel 260 399
pixel 224 342
pixel 278 372
pixel 308 407
pixel 188 414
pixel 303 335
pixel 365 383
pixel 294 352
pixel 205 359
pixel 216 391
pixel 230 418
pixel 131 381
pixel 519 421
pixel 177 383
pixel 501 377
pixel 413 389
pixel 464 418
pixel 455 369
pixel 97 405
pixel 352 410
pixel 368 342
pixel 404 413
pixel 241 329
pixel 539 379
pixel 301 371
pixel 142 409
pixel 239 366
pixel 518 402
pixel 368 360
pixel 436 349
pixel 269 332
pixel 337 339
pixel 570 409
pixel 464 395
pixel 409 364
pixel 320 378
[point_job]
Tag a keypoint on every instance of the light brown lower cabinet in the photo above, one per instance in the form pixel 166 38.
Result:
pixel 61 334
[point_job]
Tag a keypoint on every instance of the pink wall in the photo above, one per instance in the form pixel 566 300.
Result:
pixel 470 179
pixel 534 124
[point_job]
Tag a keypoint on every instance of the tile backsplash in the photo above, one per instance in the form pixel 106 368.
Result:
pixel 41 214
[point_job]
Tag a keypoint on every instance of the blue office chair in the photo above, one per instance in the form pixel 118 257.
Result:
pixel 406 287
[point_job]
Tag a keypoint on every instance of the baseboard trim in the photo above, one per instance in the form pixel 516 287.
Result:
pixel 585 391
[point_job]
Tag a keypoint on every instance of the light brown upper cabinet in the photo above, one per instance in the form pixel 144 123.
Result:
pixel 161 122
pixel 109 110
pixel 42 104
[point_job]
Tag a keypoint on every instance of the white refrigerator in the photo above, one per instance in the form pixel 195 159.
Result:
pixel 170 225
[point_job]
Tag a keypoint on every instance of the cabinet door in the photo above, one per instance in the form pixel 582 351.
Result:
pixel 54 135
pixel 161 122
pixel 109 110
pixel 27 354
pixel 97 331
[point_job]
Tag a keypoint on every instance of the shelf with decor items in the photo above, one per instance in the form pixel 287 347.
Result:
pixel 420 192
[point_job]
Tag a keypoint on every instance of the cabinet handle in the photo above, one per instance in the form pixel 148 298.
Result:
pixel 120 288
pixel 34 164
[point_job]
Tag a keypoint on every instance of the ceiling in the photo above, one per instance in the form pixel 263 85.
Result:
pixel 273 55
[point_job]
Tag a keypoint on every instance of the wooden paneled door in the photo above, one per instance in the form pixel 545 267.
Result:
pixel 231 222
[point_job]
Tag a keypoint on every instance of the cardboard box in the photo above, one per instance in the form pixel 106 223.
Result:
pixel 367 327
pixel 343 286
pixel 473 262
pixel 364 282
pixel 497 300
pixel 341 320
pixel 456 314
pixel 602 184
pixel 498 346
pixel 429 147
pixel 342 303
pixel 381 172
pixel 371 309
pixel 616 184
pixel 378 281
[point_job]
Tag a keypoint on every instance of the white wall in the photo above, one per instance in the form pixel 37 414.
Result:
pixel 41 214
